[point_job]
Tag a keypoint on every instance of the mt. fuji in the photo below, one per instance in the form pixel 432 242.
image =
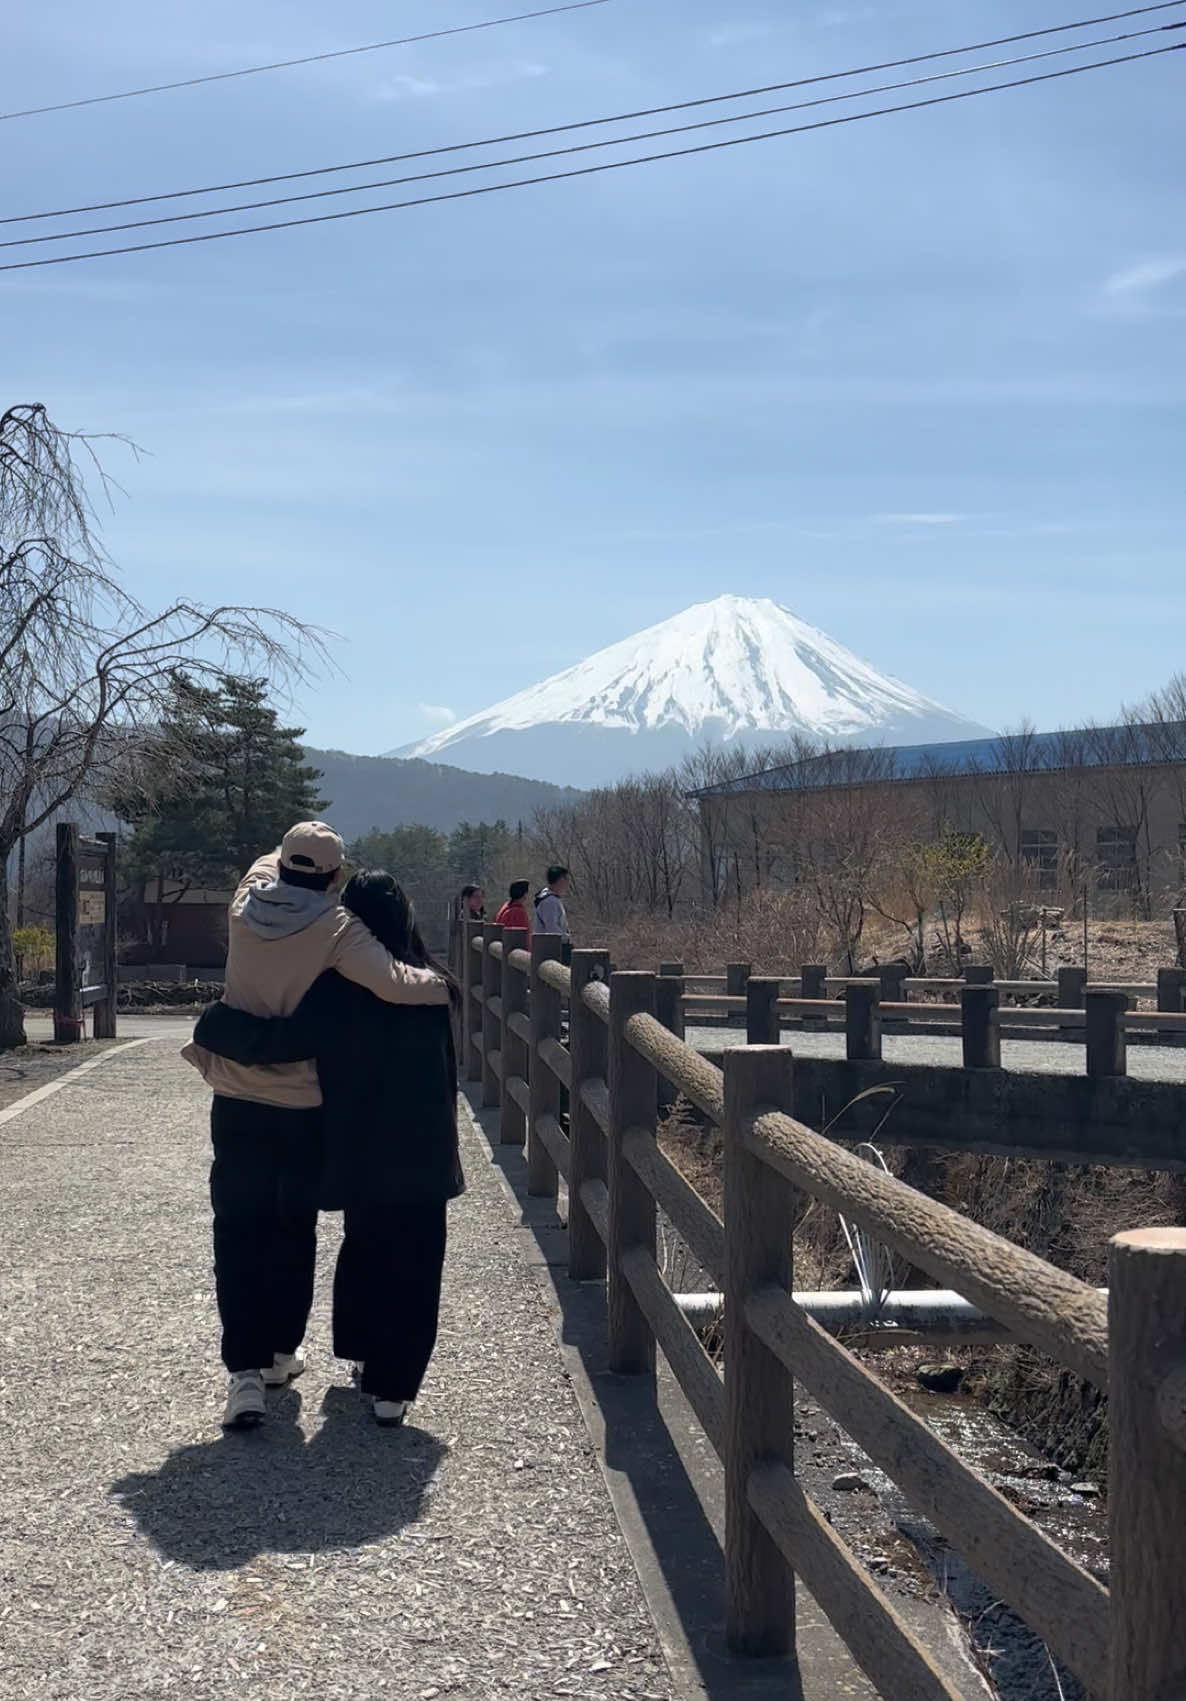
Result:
pixel 735 668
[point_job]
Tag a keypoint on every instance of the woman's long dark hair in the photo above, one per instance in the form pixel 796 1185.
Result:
pixel 382 905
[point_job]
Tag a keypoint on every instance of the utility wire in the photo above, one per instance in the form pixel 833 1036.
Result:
pixel 579 147
pixel 589 123
pixel 309 59
pixel 591 170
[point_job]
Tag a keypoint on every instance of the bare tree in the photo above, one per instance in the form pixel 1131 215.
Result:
pixel 85 669
pixel 829 827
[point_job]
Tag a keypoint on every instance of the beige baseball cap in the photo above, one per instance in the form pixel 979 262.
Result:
pixel 312 847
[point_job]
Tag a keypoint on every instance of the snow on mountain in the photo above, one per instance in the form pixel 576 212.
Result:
pixel 734 668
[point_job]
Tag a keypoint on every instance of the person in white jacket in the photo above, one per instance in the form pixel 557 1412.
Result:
pixel 550 914
pixel 286 928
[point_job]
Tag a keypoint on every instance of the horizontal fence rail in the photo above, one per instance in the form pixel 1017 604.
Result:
pixel 1098 1015
pixel 578 1062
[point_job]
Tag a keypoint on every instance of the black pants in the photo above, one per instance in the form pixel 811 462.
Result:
pixel 387 1293
pixel 264 1186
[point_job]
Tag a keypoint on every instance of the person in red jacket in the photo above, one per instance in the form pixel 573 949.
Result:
pixel 514 912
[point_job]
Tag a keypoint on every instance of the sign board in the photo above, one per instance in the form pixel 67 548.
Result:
pixel 86 934
pixel 92 912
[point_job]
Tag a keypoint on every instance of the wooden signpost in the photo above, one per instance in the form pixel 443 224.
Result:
pixel 86 935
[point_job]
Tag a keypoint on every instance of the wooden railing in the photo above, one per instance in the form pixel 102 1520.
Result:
pixel 1126 1642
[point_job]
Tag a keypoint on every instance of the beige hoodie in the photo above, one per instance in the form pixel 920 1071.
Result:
pixel 280 939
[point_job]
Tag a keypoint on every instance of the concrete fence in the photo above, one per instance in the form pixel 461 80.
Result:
pixel 1101 1016
pixel 1126 1642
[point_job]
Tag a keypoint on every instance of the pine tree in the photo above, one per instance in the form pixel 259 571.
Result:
pixel 224 783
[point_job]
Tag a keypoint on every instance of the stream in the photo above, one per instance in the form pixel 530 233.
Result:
pixel 1071 1511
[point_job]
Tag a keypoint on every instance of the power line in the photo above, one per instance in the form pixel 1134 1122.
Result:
pixel 309 59
pixel 579 147
pixel 589 123
pixel 591 170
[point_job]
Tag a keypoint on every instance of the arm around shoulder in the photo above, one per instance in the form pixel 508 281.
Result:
pixel 263 871
pixel 359 956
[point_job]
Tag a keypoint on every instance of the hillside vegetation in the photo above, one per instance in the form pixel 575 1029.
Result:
pixel 362 792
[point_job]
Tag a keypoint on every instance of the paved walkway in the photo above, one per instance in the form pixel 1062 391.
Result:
pixel 143 1555
pixel 1041 1057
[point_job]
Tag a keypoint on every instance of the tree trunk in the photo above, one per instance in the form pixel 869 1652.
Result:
pixel 12 1012
pixel 1180 934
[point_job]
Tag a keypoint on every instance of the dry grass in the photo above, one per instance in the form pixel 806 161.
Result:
pixel 1064 1213
pixel 776 934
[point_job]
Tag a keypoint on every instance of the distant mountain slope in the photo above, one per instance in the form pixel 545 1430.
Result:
pixel 734 668
pixel 362 792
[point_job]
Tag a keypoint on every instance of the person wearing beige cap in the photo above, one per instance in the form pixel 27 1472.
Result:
pixel 286 928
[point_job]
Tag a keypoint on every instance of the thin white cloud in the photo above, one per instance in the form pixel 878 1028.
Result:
pixel 436 714
pixel 409 88
pixel 1149 275
pixel 736 35
pixel 492 76
pixel 919 519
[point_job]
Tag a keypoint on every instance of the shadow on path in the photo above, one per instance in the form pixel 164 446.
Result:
pixel 217 1505
pixel 660 1455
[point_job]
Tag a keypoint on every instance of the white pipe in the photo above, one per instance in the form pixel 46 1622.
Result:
pixel 939 1313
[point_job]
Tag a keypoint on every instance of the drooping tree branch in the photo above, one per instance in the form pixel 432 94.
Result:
pixel 85 668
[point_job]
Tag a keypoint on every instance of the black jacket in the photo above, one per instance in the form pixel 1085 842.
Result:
pixel 388 1076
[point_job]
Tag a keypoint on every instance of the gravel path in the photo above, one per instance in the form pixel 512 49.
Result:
pixel 1040 1057
pixel 143 1555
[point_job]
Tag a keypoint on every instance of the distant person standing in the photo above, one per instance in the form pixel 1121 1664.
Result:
pixel 514 912
pixel 470 905
pixel 550 914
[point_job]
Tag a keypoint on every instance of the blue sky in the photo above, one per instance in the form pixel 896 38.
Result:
pixel 922 379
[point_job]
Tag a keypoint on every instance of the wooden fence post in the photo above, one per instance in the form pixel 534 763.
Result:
pixel 1107 1043
pixel 471 1018
pixel 980 1026
pixel 491 1035
pixel 669 1009
pixel 761 1010
pixel 1147 1462
pixel 978 974
pixel 813 983
pixel 891 981
pixel 633 1103
pixel 105 1018
pixel 759 1393
pixel 1072 984
pixel 545 1086
pixel 588 1044
pixel 862 1021
pixel 68 1018
pixel 516 1060
pixel 1171 996
pixel 736 975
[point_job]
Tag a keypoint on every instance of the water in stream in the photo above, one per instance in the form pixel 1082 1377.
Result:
pixel 1070 1511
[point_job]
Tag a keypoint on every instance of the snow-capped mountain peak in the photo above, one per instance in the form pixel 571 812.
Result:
pixel 721 670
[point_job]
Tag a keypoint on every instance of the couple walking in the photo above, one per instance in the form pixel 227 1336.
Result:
pixel 332 1063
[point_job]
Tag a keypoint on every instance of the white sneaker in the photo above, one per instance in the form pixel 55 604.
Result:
pixel 245 1404
pixel 389 1414
pixel 284 1368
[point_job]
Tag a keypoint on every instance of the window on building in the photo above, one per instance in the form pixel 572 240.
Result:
pixel 1039 853
pixel 1116 858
